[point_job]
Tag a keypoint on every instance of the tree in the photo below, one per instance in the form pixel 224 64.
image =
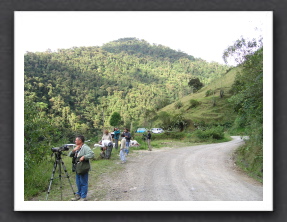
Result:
pixel 179 122
pixel 241 49
pixel 247 101
pixel 115 119
pixel 166 119
pixel 39 133
pixel 195 84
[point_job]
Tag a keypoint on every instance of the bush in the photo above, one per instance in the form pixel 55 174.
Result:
pixel 193 103
pixel 208 93
pixel 216 133
pixel 178 105
pixel 168 135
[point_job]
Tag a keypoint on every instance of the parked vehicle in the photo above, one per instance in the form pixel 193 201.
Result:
pixel 141 130
pixel 157 130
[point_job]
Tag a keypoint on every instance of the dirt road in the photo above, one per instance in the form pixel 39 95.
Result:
pixel 195 173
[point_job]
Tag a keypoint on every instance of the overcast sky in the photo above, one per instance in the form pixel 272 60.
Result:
pixel 200 34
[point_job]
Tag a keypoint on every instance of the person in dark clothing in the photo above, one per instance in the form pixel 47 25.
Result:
pixel 128 140
pixel 148 140
pixel 117 133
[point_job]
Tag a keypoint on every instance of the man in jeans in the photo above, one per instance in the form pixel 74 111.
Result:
pixel 85 153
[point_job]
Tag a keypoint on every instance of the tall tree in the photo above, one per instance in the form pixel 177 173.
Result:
pixel 195 84
pixel 115 119
pixel 241 49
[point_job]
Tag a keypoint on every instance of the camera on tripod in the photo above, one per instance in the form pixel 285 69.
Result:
pixel 66 147
pixel 57 153
pixel 60 149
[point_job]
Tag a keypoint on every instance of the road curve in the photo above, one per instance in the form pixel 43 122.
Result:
pixel 194 173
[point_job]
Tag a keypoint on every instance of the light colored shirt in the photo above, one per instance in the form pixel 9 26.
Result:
pixel 107 137
pixel 123 143
pixel 105 143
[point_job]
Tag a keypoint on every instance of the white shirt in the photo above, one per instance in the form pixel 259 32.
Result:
pixel 105 143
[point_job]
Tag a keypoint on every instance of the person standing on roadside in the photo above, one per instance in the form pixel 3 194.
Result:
pixel 123 149
pixel 107 136
pixel 128 140
pixel 117 133
pixel 84 153
pixel 148 140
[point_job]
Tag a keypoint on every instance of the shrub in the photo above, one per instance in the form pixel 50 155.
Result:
pixel 193 103
pixel 208 92
pixel 195 84
pixel 178 105
pixel 216 133
pixel 168 135
pixel 180 122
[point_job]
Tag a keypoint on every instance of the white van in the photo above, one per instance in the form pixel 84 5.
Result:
pixel 157 130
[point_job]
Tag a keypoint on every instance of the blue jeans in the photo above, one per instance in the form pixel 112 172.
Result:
pixel 82 184
pixel 127 147
pixel 122 155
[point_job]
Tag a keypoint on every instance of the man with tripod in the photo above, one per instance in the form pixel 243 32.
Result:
pixel 81 153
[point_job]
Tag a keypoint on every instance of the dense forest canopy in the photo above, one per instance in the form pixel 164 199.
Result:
pixel 80 88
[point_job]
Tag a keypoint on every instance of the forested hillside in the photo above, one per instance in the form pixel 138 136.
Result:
pixel 78 89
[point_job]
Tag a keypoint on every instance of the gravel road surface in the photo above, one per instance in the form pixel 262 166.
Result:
pixel 194 173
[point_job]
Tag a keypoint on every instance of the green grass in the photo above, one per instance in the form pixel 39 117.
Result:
pixel 37 180
pixel 205 111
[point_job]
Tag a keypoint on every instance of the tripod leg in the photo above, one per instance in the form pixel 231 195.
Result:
pixel 67 175
pixel 52 178
pixel 60 177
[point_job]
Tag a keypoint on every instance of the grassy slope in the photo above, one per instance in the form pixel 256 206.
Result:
pixel 206 112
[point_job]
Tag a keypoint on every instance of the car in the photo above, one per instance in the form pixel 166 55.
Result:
pixel 141 130
pixel 157 130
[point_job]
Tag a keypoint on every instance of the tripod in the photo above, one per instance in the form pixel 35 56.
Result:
pixel 59 161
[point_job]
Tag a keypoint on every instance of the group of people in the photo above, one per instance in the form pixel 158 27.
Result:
pixel 82 153
pixel 106 143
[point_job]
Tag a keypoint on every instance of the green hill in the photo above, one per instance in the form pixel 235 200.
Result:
pixel 212 108
pixel 142 49
pixel 80 88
